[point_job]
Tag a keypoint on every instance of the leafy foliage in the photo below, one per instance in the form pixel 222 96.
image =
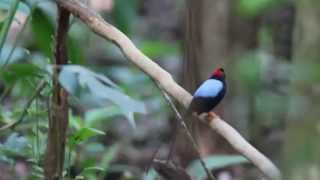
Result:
pixel 15 72
pixel 27 63
pixel 123 15
pixel 43 31
pixel 73 77
pixel 83 134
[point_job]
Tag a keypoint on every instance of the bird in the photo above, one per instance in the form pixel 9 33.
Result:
pixel 206 97
pixel 209 94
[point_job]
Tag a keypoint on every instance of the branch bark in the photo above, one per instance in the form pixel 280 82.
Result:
pixel 98 25
pixel 58 118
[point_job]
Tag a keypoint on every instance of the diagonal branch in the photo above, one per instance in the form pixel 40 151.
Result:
pixel 98 25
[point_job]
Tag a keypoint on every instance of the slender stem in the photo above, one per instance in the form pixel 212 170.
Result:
pixel 12 125
pixel 188 132
pixel 14 46
pixel 38 133
pixel 6 26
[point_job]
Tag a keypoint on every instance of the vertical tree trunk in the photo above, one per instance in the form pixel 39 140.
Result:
pixel 206 47
pixel 302 135
pixel 58 119
pixel 206 36
pixel 214 53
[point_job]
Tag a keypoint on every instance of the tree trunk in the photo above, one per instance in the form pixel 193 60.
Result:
pixel 58 117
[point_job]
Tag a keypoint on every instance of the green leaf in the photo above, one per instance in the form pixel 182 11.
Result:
pixel 73 77
pixel 126 104
pixel 43 31
pixel 80 72
pixel 93 168
pixel 17 72
pixel 75 51
pixel 214 162
pixel 83 134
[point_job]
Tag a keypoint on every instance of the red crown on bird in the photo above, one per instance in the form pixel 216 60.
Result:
pixel 219 72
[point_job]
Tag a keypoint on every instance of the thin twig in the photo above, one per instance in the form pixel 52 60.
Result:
pixel 37 91
pixel 15 43
pixel 187 131
pixel 7 23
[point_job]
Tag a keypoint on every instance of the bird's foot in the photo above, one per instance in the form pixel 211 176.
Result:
pixel 210 116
